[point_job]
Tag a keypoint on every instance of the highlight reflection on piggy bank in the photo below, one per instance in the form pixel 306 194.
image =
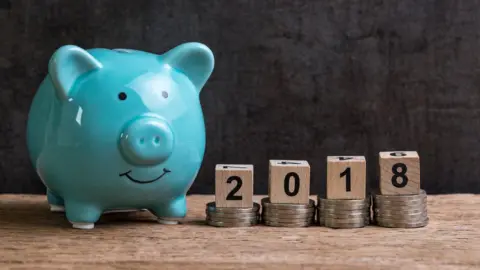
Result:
pixel 119 129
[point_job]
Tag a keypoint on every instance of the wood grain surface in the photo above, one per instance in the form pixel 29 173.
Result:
pixel 33 238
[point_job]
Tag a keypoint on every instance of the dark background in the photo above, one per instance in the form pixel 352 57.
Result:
pixel 294 79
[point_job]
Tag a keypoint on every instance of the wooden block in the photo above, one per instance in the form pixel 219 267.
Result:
pixel 399 172
pixel 233 185
pixel 346 177
pixel 289 181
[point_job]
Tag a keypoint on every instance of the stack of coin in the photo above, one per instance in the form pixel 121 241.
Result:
pixel 232 216
pixel 400 211
pixel 287 214
pixel 344 213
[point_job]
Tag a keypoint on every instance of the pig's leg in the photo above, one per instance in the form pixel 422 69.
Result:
pixel 82 215
pixel 55 201
pixel 172 212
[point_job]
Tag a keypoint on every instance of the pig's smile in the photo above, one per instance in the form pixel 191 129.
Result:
pixel 165 171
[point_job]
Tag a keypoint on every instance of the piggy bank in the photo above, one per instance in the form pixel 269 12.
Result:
pixel 119 129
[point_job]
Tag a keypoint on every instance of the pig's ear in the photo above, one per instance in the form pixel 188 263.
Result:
pixel 67 64
pixel 193 59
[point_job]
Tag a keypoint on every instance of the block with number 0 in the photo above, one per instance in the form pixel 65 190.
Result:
pixel 399 172
pixel 289 181
pixel 233 185
pixel 346 177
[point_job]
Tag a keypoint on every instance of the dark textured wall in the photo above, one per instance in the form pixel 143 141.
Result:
pixel 293 79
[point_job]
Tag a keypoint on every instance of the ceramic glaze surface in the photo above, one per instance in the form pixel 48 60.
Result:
pixel 119 129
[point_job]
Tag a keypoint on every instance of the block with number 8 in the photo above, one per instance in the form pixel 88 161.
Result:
pixel 346 177
pixel 289 181
pixel 399 172
pixel 233 185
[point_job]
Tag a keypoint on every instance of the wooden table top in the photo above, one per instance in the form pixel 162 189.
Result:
pixel 34 238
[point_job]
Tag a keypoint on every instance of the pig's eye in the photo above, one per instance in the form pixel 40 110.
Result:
pixel 164 94
pixel 122 96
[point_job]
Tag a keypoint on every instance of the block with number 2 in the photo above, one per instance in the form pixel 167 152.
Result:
pixel 346 177
pixel 233 185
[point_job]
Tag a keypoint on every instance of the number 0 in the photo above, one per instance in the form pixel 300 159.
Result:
pixel 296 184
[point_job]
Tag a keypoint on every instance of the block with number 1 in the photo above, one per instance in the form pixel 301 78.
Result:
pixel 346 177
pixel 233 185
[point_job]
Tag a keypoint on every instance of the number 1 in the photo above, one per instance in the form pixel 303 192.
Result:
pixel 348 181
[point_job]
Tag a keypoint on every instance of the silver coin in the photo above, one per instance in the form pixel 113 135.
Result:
pixel 401 218
pixel 212 208
pixel 365 219
pixel 345 220
pixel 367 222
pixel 281 224
pixel 344 207
pixel 213 215
pixel 322 222
pixel 282 219
pixel 336 224
pixel 344 211
pixel 288 211
pixel 404 211
pixel 394 212
pixel 221 218
pixel 286 219
pixel 232 219
pixel 389 211
pixel 400 197
pixel 293 217
pixel 400 209
pixel 400 204
pixel 390 224
pixel 345 226
pixel 344 215
pixel 230 224
pixel 231 215
pixel 267 204
pixel 322 215
pixel 344 203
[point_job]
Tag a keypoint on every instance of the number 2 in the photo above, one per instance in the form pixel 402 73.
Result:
pixel 348 181
pixel 231 195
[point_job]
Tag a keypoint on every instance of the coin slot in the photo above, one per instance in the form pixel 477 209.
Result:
pixel 234 167
pixel 288 162
pixel 397 154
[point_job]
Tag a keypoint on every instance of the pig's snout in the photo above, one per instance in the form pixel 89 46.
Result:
pixel 146 141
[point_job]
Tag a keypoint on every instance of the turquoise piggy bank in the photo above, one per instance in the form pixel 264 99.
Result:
pixel 119 129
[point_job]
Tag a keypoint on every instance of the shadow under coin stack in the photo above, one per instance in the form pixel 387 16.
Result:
pixel 401 211
pixel 344 213
pixel 287 214
pixel 232 216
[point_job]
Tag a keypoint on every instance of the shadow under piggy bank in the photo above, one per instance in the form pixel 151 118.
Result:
pixel 34 215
